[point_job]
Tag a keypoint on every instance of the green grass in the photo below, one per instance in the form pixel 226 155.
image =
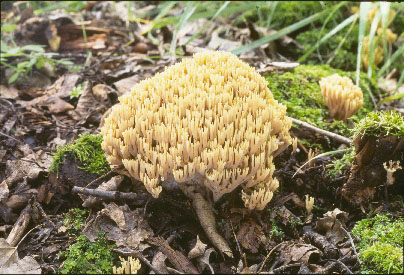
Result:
pixel 87 150
pixel 381 245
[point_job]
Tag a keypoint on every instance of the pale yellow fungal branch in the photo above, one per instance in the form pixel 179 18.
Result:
pixel 309 204
pixel 130 266
pixel 393 167
pixel 294 144
pixel 209 120
pixel 342 97
pixel 310 156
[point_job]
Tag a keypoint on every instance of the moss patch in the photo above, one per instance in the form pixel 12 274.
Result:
pixel 86 257
pixel 300 92
pixel 339 164
pixel 86 149
pixel 381 245
pixel 381 123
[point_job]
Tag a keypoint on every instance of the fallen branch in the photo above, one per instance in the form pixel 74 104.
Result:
pixel 20 225
pixel 266 258
pixel 178 260
pixel 112 195
pixel 334 136
pixel 351 240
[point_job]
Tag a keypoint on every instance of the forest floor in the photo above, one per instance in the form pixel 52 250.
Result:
pixel 49 224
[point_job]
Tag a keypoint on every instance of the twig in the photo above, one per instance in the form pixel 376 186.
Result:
pixel 334 136
pixel 99 178
pixel 282 268
pixel 32 229
pixel 266 258
pixel 351 240
pixel 111 195
pixel 3 134
pixel 343 265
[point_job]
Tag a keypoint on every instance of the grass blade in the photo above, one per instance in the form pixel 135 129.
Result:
pixel 363 13
pixel 273 8
pixel 390 60
pixel 225 4
pixel 236 7
pixel 278 34
pixel 319 156
pixel 189 10
pixel 342 25
pixel 372 45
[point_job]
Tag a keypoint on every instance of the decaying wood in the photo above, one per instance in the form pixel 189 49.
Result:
pixel 20 225
pixel 179 261
pixel 334 136
pixel 320 241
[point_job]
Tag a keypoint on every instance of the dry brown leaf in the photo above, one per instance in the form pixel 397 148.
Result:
pixel 10 263
pixel 8 92
pixel 137 229
pixel 111 185
pixel 250 236
pixel 330 225
pixel 4 192
pixel 125 85
pixel 292 252
pixel 198 249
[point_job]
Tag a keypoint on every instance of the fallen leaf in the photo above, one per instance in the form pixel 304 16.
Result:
pixel 10 263
pixel 111 185
pixel 250 235
pixel 126 85
pixel 198 249
pixel 292 252
pixel 136 232
pixel 330 225
pixel 4 192
pixel 8 92
pixel 220 44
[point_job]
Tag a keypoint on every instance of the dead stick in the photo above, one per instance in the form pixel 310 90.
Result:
pixel 266 258
pixel 351 240
pixel 112 195
pixel 334 136
pixel 19 227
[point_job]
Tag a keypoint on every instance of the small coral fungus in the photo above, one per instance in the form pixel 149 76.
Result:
pixel 342 97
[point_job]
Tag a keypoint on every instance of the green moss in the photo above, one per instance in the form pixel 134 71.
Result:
pixel 300 92
pixel 338 164
pixel 75 219
pixel 287 13
pixel 381 245
pixel 381 123
pixel 86 257
pixel 86 149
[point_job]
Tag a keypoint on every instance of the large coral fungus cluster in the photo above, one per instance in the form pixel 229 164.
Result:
pixel 207 121
pixel 342 97
pixel 378 41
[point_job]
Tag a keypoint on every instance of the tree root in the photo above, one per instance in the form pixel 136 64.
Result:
pixel 208 222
